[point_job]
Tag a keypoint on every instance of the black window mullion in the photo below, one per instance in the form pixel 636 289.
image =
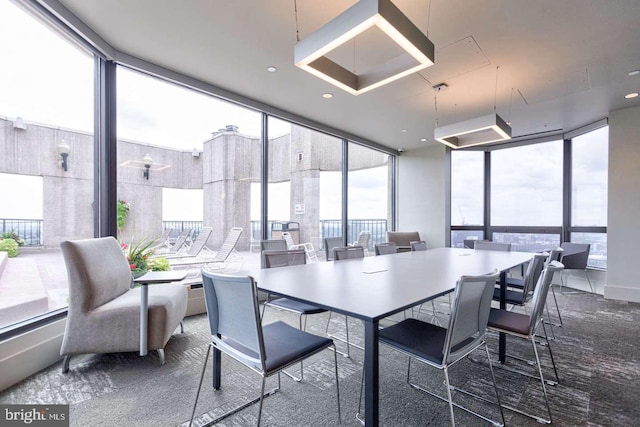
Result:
pixel 566 192
pixel 487 195
pixel 345 190
pixel 264 176
pixel 105 149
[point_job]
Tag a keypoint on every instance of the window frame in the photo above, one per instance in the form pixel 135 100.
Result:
pixel 106 61
pixel 565 230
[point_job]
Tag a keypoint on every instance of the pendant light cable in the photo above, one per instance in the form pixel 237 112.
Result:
pixel 295 11
pixel 495 97
pixel 435 103
pixel 428 17
pixel 510 103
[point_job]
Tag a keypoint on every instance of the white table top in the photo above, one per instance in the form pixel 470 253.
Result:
pixel 153 277
pixel 375 287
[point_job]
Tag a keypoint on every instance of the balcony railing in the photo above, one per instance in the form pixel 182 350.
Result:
pixel 195 226
pixel 28 229
pixel 333 228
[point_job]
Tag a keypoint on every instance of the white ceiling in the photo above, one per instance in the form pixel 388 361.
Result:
pixel 562 64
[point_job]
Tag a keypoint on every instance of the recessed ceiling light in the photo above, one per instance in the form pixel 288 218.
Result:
pixel 327 95
pixel 271 69
pixel 423 139
pixel 634 72
pixel 631 95
pixel 403 131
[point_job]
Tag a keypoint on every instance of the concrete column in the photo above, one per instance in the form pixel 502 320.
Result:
pixel 623 232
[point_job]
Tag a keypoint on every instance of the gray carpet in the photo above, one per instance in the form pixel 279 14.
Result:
pixel 597 352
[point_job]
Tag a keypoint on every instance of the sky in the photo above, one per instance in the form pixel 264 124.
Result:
pixel 149 111
pixel 527 184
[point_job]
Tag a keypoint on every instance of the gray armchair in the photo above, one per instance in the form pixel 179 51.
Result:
pixel 104 312
pixel 403 239
pixel 575 256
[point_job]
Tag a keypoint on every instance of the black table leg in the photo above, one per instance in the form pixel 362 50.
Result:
pixel 503 305
pixel 371 370
pixel 217 368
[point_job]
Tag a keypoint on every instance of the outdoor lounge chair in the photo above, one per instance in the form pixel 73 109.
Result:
pixel 198 245
pixel 363 241
pixel 308 247
pixel 181 240
pixel 220 260
pixel 162 241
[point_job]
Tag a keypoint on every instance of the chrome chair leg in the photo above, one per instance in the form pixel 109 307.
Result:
pixel 204 368
pixel 358 413
pixel 446 380
pixel 544 388
pixel 557 307
pixel 553 362
pixel 161 355
pixel 264 379
pixel 495 384
pixel 548 321
pixel 347 341
pixel 589 280
pixel 335 360
pixel 301 377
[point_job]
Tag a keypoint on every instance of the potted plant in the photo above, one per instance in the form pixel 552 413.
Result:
pixel 139 257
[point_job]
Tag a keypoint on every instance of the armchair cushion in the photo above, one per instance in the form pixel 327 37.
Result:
pixel 403 238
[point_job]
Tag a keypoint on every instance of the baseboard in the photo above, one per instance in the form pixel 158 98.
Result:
pixel 622 293
pixel 24 355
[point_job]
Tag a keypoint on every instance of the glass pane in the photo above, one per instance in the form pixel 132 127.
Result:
pixel 590 157
pixel 46 108
pixel 305 186
pixel 526 185
pixel 369 195
pixel 196 160
pixel 528 242
pixel 598 250
pixel 459 236
pixel 467 188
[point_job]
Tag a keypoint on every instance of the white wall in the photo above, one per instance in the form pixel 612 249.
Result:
pixel 623 230
pixel 421 193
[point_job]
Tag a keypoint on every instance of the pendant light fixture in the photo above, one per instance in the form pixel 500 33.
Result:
pixel 476 131
pixel 310 53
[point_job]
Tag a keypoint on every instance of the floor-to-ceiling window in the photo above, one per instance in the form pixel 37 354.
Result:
pixel 526 192
pixel 186 160
pixel 304 184
pixel 589 171
pixel 368 194
pixel 467 197
pixel 541 194
pixel 46 161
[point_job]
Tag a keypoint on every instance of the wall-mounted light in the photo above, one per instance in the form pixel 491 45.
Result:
pixel 64 149
pixel 19 124
pixel 148 161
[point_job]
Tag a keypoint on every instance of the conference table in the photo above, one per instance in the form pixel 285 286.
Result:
pixel 376 287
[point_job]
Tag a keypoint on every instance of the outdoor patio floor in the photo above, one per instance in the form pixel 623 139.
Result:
pixel 35 282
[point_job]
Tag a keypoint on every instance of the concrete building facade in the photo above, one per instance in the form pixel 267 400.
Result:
pixel 229 163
